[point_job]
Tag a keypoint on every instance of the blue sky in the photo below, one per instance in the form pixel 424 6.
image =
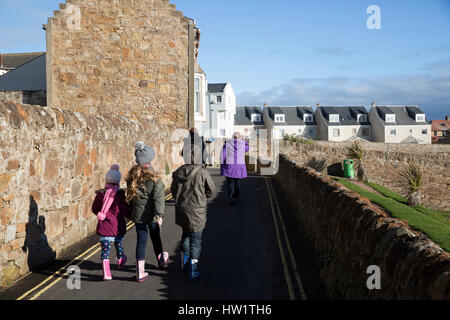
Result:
pixel 294 52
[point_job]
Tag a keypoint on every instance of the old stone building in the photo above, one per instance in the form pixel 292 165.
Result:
pixel 132 57
pixel 116 72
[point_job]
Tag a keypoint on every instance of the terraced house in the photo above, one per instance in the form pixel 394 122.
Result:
pixel 294 120
pixel 248 121
pixel 399 124
pixel 343 123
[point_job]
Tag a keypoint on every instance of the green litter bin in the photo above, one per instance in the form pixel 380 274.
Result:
pixel 348 169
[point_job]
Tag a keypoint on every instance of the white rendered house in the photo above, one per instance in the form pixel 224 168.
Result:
pixel 222 109
pixel 400 124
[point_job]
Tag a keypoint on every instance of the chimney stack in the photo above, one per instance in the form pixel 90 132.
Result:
pixel 446 117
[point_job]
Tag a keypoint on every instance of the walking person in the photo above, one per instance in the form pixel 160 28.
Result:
pixel 194 138
pixel 146 196
pixel 233 165
pixel 111 209
pixel 191 186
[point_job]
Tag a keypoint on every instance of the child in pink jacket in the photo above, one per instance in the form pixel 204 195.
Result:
pixel 111 209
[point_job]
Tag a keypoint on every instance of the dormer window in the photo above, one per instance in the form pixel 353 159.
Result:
pixel 279 118
pixel 390 118
pixel 420 118
pixel 334 118
pixel 256 117
pixel 308 118
pixel 362 118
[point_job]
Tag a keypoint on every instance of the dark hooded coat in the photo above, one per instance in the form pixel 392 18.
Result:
pixel 191 186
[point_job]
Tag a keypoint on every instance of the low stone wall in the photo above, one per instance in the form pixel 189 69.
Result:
pixel 385 161
pixel 51 162
pixel 349 235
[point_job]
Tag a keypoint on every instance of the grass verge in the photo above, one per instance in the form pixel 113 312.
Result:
pixel 433 225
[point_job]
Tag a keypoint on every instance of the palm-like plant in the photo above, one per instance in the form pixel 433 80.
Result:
pixel 356 152
pixel 318 164
pixel 411 179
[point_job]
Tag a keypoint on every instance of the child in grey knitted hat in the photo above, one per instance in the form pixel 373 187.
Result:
pixel 146 196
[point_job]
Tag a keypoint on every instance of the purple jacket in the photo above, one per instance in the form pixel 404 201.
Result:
pixel 233 159
pixel 114 224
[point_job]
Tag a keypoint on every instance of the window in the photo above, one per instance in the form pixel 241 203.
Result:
pixel 334 118
pixel 390 118
pixel 420 118
pixel 281 133
pixel 365 132
pixel 311 131
pixel 256 117
pixel 424 131
pixel 336 132
pixel 197 96
pixel 393 132
pixel 354 131
pixel 279 118
pixel 300 131
pixel 223 132
pixel 219 99
pixel 410 131
pixel 221 115
pixel 308 118
pixel 362 118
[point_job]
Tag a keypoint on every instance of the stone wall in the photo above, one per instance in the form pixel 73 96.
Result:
pixel 384 163
pixel 51 162
pixel 348 235
pixel 127 57
pixel 15 96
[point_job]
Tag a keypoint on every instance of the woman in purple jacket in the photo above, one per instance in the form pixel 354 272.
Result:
pixel 111 209
pixel 233 165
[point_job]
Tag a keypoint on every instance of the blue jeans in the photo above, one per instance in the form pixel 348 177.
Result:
pixel 191 243
pixel 155 235
pixel 233 187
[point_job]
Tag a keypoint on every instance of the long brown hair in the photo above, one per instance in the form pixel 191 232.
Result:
pixel 136 177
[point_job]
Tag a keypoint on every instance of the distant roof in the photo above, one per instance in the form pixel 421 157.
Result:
pixel 216 87
pixel 30 76
pixel 413 140
pixel 348 116
pixel 440 125
pixel 404 115
pixel 14 60
pixel 293 115
pixel 243 116
pixel 199 69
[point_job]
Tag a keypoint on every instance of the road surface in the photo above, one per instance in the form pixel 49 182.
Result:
pixel 251 251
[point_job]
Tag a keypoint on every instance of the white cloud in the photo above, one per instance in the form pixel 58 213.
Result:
pixel 430 91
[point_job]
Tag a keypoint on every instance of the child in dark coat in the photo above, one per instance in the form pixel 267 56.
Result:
pixel 111 209
pixel 190 188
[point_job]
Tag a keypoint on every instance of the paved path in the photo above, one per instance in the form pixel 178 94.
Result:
pixel 241 258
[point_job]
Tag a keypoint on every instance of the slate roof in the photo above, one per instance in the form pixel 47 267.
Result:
pixel 14 60
pixel 30 76
pixel 243 116
pixel 216 87
pixel 293 115
pixel 347 115
pixel 404 115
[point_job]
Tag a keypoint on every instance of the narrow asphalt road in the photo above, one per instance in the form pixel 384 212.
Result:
pixel 247 255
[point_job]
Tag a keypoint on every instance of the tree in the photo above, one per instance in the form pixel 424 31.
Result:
pixel 411 179
pixel 357 153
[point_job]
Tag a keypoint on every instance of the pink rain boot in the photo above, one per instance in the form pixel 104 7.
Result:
pixel 106 270
pixel 122 262
pixel 141 275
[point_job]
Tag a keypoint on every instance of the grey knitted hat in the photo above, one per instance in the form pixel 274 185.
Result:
pixel 143 153
pixel 113 176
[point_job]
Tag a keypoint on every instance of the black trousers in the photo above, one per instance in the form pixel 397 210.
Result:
pixel 233 187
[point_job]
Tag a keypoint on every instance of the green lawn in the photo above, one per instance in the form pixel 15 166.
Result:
pixel 432 223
